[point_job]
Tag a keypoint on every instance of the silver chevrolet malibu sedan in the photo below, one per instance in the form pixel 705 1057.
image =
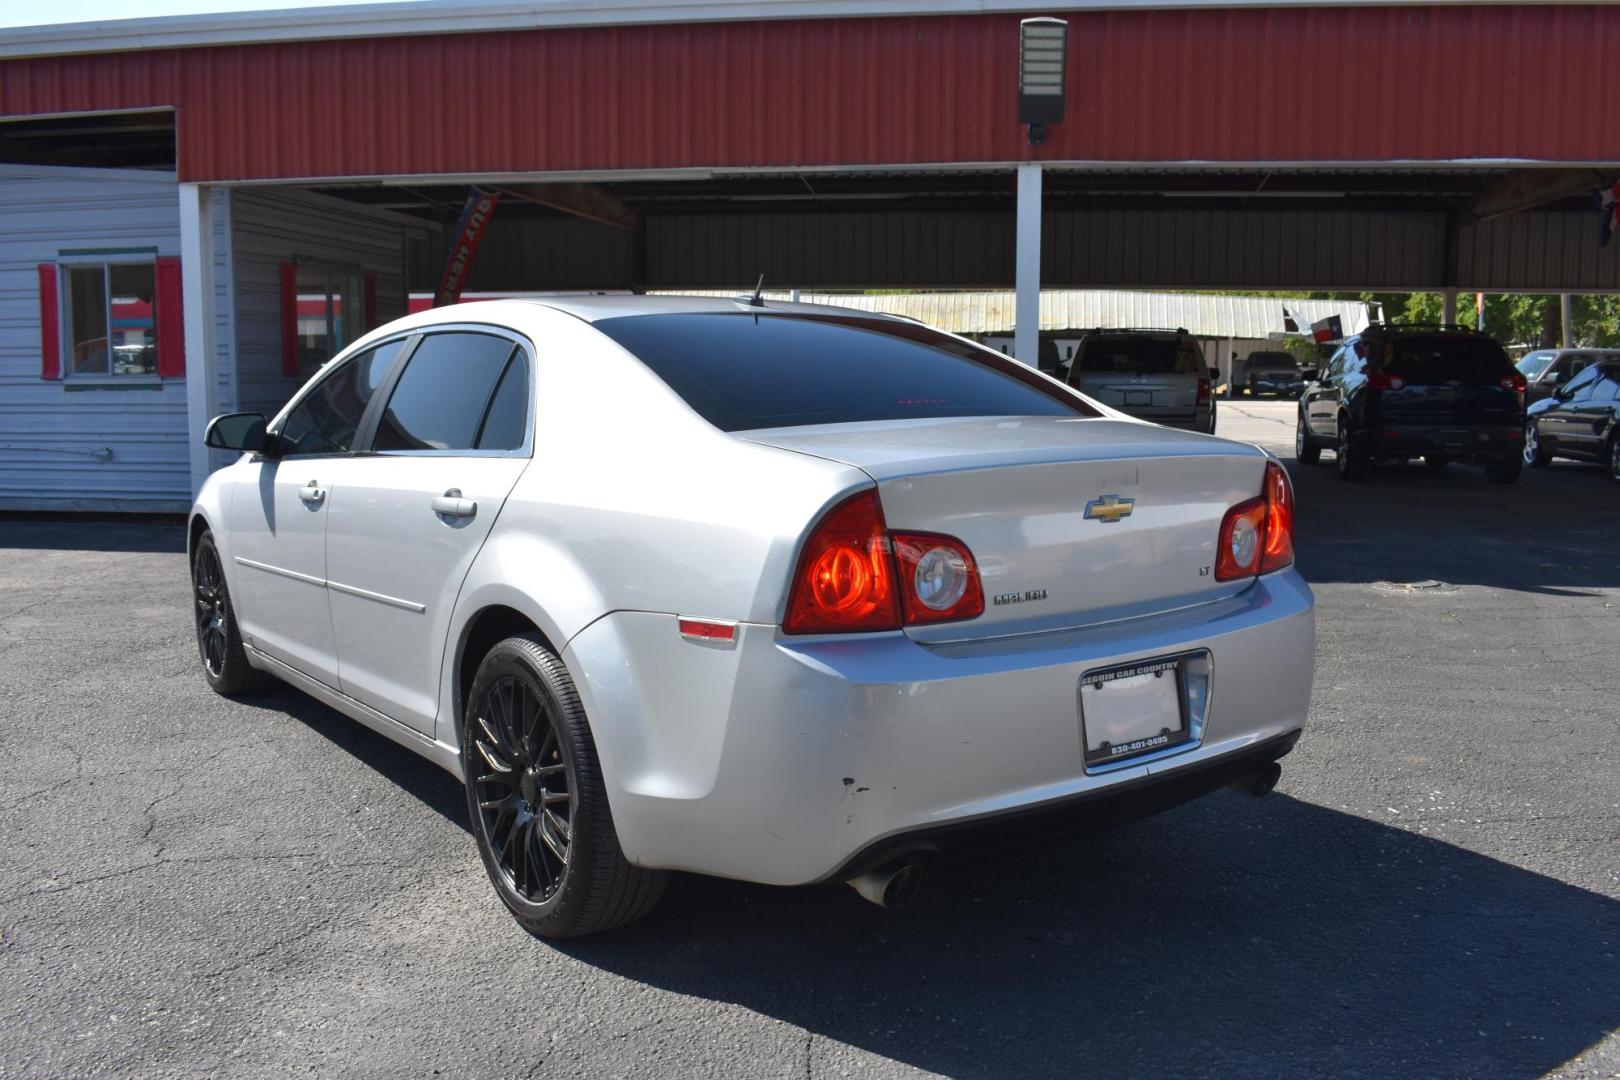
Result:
pixel 774 592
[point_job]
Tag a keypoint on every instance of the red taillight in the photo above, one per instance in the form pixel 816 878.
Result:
pixel 854 575
pixel 1514 382
pixel 1279 550
pixel 1243 534
pixel 938 579
pixel 1203 391
pixel 707 629
pixel 1378 380
pixel 845 579
pixel 1257 536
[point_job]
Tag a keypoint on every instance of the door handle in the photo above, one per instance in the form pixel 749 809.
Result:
pixel 451 504
pixel 312 493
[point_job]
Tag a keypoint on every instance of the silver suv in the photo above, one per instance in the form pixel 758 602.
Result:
pixel 1157 375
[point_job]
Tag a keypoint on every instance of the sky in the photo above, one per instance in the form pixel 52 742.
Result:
pixel 22 13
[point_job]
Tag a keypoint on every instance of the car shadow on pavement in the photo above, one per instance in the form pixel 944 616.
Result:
pixel 133 533
pixel 407 770
pixel 1551 533
pixel 1227 937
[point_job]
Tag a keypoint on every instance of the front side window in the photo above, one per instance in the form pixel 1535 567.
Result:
pixel 447 395
pixel 328 419
pixel 111 319
pixel 330 315
pixel 1580 384
pixel 744 372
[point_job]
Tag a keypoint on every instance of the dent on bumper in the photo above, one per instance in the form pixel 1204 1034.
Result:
pixel 782 759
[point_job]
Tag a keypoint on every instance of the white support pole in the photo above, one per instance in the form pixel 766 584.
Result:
pixel 197 291
pixel 1449 305
pixel 1027 263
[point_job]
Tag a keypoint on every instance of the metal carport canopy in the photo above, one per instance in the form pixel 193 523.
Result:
pixel 530 89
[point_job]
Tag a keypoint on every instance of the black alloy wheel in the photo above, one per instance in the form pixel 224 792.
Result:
pixel 525 797
pixel 208 589
pixel 219 641
pixel 1535 454
pixel 538 800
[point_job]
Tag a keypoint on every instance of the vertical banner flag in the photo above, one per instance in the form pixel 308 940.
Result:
pixel 464 241
pixel 1479 311
pixel 1609 204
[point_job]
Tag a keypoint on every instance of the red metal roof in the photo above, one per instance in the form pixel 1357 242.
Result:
pixel 1363 84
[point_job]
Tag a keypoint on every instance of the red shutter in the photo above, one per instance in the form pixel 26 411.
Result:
pixel 50 337
pixel 371 301
pixel 289 319
pixel 171 320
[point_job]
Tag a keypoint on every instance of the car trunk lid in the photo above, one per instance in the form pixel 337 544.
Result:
pixel 1016 491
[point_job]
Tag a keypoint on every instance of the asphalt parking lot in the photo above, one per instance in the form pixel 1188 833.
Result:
pixel 196 887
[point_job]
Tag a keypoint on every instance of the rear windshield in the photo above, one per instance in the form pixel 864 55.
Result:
pixel 1469 361
pixel 1273 360
pixel 1535 363
pixel 740 371
pixel 1140 356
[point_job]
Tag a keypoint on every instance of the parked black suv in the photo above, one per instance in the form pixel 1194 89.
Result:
pixel 1399 391
pixel 1580 420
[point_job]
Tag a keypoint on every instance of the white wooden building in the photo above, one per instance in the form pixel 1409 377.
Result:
pixel 101 403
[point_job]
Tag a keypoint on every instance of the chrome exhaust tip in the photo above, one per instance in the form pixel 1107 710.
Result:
pixel 892 886
pixel 1260 783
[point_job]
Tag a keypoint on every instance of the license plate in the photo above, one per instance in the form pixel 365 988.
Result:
pixel 1453 438
pixel 1132 709
pixel 1138 397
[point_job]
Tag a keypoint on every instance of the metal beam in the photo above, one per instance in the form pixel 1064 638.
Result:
pixel 1027 268
pixel 1530 188
pixel 589 201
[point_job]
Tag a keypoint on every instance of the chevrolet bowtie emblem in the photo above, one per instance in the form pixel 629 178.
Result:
pixel 1109 508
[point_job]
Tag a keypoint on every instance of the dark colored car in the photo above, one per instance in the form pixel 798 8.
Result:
pixel 1545 370
pixel 1581 420
pixel 1274 373
pixel 1397 392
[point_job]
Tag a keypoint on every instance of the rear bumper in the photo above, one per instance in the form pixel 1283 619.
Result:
pixel 1479 443
pixel 788 760
pixel 1088 811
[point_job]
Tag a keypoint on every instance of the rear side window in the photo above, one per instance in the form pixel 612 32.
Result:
pixel 506 424
pixel 441 400
pixel 742 372
pixel 1441 361
pixel 1140 356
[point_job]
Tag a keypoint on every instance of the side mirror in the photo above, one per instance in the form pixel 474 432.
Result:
pixel 1560 378
pixel 243 431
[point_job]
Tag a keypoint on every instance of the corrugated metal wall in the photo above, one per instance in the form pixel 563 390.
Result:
pixel 49 430
pixel 1250 84
pixel 271 227
pixel 1113 249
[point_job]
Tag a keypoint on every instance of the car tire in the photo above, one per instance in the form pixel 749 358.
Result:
pixel 538 803
pixel 1505 471
pixel 1536 454
pixel 1351 464
pixel 1306 452
pixel 1614 457
pixel 219 640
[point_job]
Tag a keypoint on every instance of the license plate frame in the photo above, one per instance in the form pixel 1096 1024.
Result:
pixel 1138 398
pixel 1156 686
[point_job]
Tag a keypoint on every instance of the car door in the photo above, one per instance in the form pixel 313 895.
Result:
pixel 1322 399
pixel 277 517
pixel 1589 415
pixel 403 531
pixel 1559 427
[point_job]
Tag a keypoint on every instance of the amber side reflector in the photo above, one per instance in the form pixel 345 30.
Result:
pixel 707 630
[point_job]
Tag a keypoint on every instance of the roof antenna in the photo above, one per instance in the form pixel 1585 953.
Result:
pixel 758 300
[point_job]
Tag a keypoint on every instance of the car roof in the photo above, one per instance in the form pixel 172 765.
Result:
pixel 617 306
